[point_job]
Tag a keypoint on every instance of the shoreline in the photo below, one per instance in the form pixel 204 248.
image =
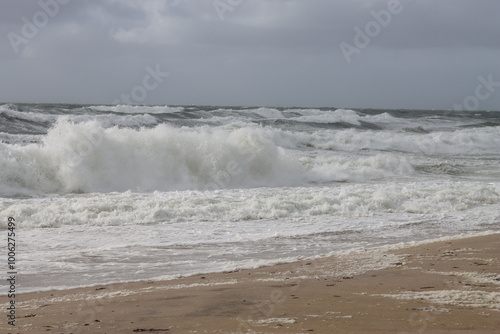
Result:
pixel 451 284
pixel 385 247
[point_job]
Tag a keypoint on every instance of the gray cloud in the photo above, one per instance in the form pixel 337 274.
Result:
pixel 264 52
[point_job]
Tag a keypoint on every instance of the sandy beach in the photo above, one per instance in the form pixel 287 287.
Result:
pixel 447 286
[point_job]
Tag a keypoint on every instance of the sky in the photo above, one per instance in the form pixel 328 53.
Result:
pixel 420 54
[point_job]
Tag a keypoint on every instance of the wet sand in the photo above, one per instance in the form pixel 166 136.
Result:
pixel 448 286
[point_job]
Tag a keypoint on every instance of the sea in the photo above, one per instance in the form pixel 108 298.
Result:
pixel 118 193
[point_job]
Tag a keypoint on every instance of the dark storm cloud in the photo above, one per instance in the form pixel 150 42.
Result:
pixel 257 52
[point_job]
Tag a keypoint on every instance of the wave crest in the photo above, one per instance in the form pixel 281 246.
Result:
pixel 86 157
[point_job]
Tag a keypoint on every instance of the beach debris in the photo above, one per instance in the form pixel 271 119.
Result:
pixel 480 264
pixel 429 309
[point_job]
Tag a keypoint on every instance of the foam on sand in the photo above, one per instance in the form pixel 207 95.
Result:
pixel 475 298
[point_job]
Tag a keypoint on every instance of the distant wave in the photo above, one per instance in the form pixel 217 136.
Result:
pixel 462 141
pixel 133 109
pixel 37 119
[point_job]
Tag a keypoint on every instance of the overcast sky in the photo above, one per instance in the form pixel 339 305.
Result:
pixel 337 53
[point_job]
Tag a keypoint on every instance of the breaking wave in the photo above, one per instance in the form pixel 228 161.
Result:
pixel 87 157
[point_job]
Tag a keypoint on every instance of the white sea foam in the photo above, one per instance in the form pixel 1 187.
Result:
pixel 474 277
pixel 339 115
pixel 479 299
pixel 86 157
pixel 108 120
pixel 274 321
pixel 20 139
pixel 89 157
pixel 357 168
pixel 469 141
pixel 258 204
pixel 269 113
